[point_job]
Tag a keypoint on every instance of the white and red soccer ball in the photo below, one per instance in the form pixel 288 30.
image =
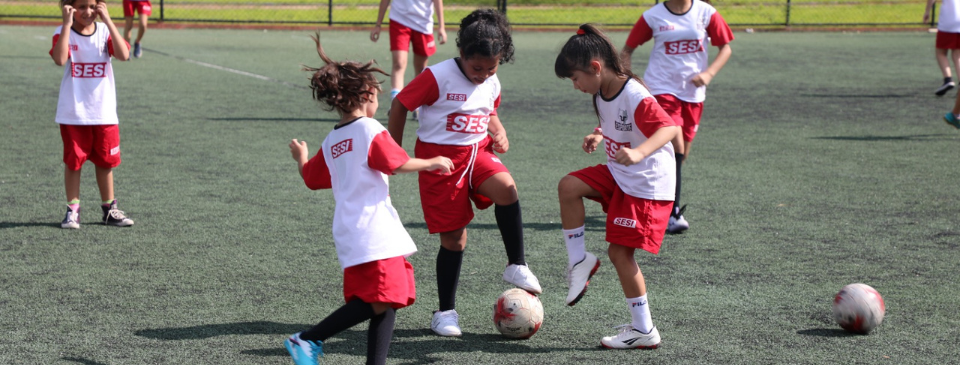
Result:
pixel 858 308
pixel 517 313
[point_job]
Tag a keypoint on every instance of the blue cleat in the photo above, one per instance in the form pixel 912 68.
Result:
pixel 303 352
pixel 137 51
pixel 951 120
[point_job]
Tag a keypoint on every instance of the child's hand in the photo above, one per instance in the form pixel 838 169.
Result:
pixel 68 12
pixel 500 142
pixel 702 79
pixel 443 35
pixel 440 164
pixel 591 141
pixel 375 33
pixel 299 151
pixel 102 12
pixel 628 156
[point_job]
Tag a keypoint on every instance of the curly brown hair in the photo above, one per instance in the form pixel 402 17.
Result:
pixel 343 86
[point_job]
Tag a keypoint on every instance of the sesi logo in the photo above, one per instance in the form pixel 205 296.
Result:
pixel 341 147
pixel 625 222
pixel 457 97
pixel 614 146
pixel 471 124
pixel 88 70
pixel 683 47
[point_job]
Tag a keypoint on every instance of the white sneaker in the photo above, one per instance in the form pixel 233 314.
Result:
pixel 578 277
pixel 523 278
pixel 677 223
pixel 71 220
pixel 631 338
pixel 446 323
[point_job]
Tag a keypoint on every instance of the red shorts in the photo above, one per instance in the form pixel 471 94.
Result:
pixel 687 115
pixel 631 221
pixel 446 198
pixel 401 36
pixel 141 7
pixel 98 143
pixel 382 281
pixel 947 40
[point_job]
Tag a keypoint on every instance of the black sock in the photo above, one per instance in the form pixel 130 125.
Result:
pixel 947 79
pixel 448 277
pixel 379 336
pixel 676 199
pixel 510 222
pixel 347 316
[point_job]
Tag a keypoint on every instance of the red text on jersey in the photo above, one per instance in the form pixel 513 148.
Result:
pixel 614 146
pixel 74 47
pixel 683 47
pixel 625 222
pixel 456 97
pixel 341 147
pixel 88 70
pixel 664 28
pixel 470 124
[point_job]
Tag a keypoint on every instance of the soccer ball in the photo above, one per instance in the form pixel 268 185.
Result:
pixel 517 313
pixel 858 308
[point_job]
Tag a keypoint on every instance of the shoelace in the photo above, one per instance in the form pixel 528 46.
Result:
pixel 624 328
pixel 117 214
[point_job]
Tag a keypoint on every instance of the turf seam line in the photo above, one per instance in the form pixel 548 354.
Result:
pixel 227 69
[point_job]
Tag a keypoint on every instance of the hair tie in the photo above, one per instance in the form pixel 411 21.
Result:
pixel 581 31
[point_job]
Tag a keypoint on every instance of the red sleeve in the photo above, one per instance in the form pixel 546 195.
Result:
pixel 110 45
pixel 385 155
pixel 650 117
pixel 640 34
pixel 496 105
pixel 56 37
pixel 316 174
pixel 718 31
pixel 423 90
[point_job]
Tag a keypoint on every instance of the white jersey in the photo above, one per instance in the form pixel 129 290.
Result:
pixel 88 93
pixel 453 109
pixel 949 19
pixel 680 47
pixel 415 14
pixel 353 160
pixel 627 120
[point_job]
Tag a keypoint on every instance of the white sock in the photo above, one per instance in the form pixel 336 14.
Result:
pixel 640 312
pixel 576 248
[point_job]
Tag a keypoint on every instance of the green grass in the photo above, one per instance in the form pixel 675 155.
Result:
pixel 816 166
pixel 528 13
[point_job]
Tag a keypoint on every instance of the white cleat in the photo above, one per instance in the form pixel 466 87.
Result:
pixel 631 338
pixel 677 223
pixel 446 323
pixel 578 277
pixel 523 278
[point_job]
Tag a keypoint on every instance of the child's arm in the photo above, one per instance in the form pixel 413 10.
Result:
pixel 630 156
pixel 439 163
pixel 375 33
pixel 313 171
pixel 120 49
pixel 592 140
pixel 703 78
pixel 926 13
pixel 441 28
pixel 397 120
pixel 61 50
pixel 499 135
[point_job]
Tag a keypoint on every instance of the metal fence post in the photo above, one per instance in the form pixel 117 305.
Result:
pixel 787 22
pixel 161 10
pixel 933 15
pixel 329 12
pixel 502 6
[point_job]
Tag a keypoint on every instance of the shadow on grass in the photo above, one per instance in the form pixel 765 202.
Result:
pixel 827 332
pixel 83 361
pixel 331 120
pixel 5 225
pixel 859 96
pixel 917 137
pixel 592 223
pixel 222 329
pixel 418 346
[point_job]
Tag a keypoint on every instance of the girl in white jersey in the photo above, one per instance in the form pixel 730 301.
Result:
pixel 87 108
pixel 678 74
pixel 635 187
pixel 411 24
pixel 355 160
pixel 458 118
pixel 947 42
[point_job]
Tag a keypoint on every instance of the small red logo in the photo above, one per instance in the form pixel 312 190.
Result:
pixel 457 97
pixel 88 70
pixel 613 146
pixel 683 47
pixel 471 124
pixel 74 47
pixel 341 147
pixel 664 28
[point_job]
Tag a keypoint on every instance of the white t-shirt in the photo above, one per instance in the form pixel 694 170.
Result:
pixel 354 161
pixel 679 51
pixel 454 110
pixel 949 19
pixel 627 120
pixel 88 93
pixel 415 14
